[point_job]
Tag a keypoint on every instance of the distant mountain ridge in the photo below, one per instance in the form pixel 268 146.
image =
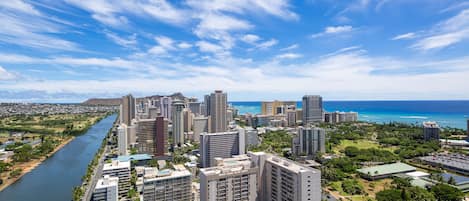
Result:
pixel 117 101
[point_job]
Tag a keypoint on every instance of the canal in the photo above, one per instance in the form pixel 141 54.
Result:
pixel 54 178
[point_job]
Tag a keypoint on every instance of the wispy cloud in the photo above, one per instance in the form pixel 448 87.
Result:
pixel 19 5
pixel 347 72
pixel 333 30
pixel 289 56
pixel 5 75
pixel 128 42
pixel 446 33
pixel 24 26
pixel 250 38
pixel 405 36
pixel 291 47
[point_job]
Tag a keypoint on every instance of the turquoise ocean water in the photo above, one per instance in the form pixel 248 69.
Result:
pixel 446 113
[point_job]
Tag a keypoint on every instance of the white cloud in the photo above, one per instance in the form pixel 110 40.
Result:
pixel 22 29
pixel 205 46
pixel 349 73
pixel 291 47
pixel 19 5
pixel 113 13
pixel 404 36
pixel 267 44
pixel 250 38
pixel 289 56
pixel 158 50
pixel 5 75
pixel 128 42
pixel 184 45
pixel 73 61
pixel 331 30
pixel 441 41
pixel 279 8
pixel 165 42
pixel 446 33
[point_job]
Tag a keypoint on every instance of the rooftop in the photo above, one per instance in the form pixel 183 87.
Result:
pixel 459 180
pixel 459 161
pixel 164 174
pixel 290 165
pixel 135 157
pixel 221 133
pixel 392 168
pixel 430 124
pixel 229 165
pixel 115 164
pixel 107 181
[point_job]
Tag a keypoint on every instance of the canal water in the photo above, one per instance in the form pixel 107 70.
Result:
pixel 54 178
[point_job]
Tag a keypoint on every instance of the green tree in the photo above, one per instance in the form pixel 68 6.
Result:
pixel 402 183
pixel 420 194
pixel 351 151
pixel 451 181
pixel 16 173
pixel 445 192
pixel 23 153
pixel 389 195
pixel 4 166
pixel 351 186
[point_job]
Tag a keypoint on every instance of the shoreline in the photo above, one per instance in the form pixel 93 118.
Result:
pixel 31 165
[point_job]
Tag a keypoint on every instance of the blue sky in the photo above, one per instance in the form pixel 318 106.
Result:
pixel 68 51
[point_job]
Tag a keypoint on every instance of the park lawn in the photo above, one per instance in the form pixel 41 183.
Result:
pixel 379 185
pixel 46 122
pixel 361 144
pixel 337 185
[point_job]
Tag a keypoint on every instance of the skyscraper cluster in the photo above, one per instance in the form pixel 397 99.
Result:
pixel 155 128
pixel 259 176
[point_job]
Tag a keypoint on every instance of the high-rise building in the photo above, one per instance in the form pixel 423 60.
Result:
pixel 201 125
pixel 283 179
pixel 178 122
pixel 132 134
pixel 167 184
pixel 431 131
pixel 252 139
pixel 229 115
pixel 165 107
pixel 120 170
pixel 153 112
pixel 146 133
pixel 187 120
pixel 291 118
pixel 337 117
pixel 195 108
pixel 161 141
pixel 218 106
pixel 230 179
pixel 122 143
pixel 106 189
pixel 312 109
pixel 276 107
pixel 309 141
pixel 222 145
pixel 207 105
pixel 127 112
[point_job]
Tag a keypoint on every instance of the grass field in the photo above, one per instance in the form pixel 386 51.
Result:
pixel 361 144
pixel 57 123
pixel 370 188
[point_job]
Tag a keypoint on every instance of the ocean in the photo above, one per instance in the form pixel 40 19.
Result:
pixel 445 113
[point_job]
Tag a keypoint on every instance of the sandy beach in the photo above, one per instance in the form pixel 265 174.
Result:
pixel 29 166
